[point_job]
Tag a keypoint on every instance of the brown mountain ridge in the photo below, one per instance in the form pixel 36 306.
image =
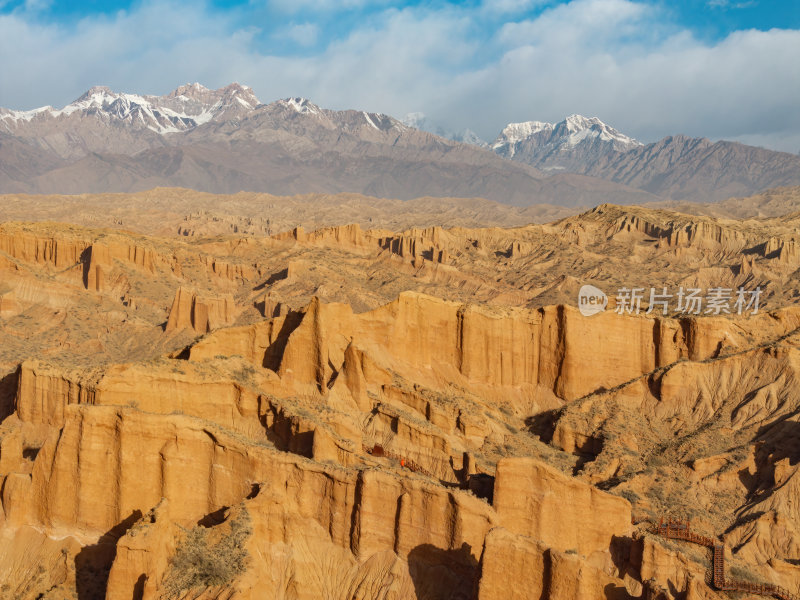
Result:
pixel 226 141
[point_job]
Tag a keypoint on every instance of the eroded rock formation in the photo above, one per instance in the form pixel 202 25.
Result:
pixel 429 427
pixel 190 311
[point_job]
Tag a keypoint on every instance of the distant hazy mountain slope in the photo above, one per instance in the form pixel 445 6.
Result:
pixel 225 141
pixel 420 121
pixel 679 167
pixel 676 167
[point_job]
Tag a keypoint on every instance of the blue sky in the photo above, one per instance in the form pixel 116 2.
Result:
pixel 716 68
pixel 710 19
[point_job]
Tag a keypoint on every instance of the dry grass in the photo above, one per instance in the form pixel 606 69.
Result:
pixel 208 557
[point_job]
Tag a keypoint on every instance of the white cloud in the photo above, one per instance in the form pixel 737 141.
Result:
pixel 304 34
pixel 615 59
pixel 324 6
pixel 510 6
pixel 37 5
pixel 578 24
pixel 725 4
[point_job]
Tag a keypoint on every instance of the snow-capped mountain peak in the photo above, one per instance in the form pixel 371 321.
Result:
pixel 301 105
pixel 97 93
pixel 580 127
pixel 558 145
pixel 190 91
pixel 183 109
pixel 516 132
pixel 12 116
pixel 579 122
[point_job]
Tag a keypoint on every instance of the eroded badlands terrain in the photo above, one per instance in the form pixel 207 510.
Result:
pixel 198 409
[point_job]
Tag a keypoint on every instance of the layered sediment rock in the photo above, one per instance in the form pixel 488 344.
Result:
pixel 554 348
pixel 190 311
pixel 356 443
pixel 58 251
pixel 537 501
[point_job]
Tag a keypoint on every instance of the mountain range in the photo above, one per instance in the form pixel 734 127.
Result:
pixel 226 140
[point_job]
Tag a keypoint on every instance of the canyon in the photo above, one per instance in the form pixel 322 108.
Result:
pixel 264 399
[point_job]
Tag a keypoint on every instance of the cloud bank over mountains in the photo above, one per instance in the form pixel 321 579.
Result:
pixel 477 67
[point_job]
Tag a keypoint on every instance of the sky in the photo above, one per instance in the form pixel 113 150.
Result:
pixel 722 69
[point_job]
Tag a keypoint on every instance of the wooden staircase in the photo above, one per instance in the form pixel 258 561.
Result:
pixel 719 566
pixel 681 530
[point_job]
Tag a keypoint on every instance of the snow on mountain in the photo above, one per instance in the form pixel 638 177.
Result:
pixel 357 122
pixel 185 108
pixel 517 132
pixel 301 105
pixel 226 140
pixel 420 121
pixel 467 136
pixel 580 128
pixel 104 121
pixel 417 120
pixel 566 134
pixel 572 144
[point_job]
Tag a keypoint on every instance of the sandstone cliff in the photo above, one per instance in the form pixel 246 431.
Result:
pixel 366 414
pixel 190 311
